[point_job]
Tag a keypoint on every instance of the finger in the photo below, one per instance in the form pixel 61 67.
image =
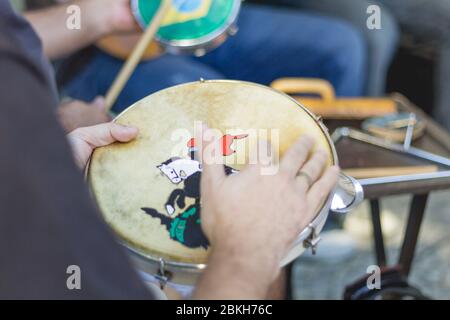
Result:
pixel 106 133
pixel 267 159
pixel 313 169
pixel 99 103
pixel 296 155
pixel 320 190
pixel 212 170
pixel 123 133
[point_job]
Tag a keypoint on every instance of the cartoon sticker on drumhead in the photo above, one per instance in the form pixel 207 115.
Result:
pixel 185 228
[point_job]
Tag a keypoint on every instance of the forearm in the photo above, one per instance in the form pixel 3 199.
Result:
pixel 232 276
pixel 57 39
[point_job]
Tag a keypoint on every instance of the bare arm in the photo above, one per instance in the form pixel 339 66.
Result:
pixel 98 18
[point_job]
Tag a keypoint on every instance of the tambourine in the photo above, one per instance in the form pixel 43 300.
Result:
pixel 190 27
pixel 148 189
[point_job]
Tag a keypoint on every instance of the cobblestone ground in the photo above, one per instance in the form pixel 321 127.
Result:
pixel 315 278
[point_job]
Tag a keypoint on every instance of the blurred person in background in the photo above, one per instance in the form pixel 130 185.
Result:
pixel 424 22
pixel 427 24
pixel 381 44
pixel 271 43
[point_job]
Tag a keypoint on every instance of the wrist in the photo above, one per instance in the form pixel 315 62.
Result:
pixel 248 274
pixel 250 247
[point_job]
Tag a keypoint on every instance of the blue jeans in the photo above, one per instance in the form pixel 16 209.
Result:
pixel 271 43
pixel 381 44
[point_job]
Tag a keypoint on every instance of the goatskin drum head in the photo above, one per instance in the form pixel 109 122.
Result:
pixel 148 189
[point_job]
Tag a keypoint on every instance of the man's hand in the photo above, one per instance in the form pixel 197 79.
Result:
pixel 112 16
pixel 252 219
pixel 76 114
pixel 83 141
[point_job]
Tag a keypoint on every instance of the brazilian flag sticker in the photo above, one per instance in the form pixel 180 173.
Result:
pixel 186 10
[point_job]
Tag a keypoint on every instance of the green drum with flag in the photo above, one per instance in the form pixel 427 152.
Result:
pixel 190 26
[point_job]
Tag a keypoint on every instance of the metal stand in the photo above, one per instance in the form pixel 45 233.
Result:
pixel 418 202
pixel 288 293
pixel 416 213
pixel 415 218
pixel 378 232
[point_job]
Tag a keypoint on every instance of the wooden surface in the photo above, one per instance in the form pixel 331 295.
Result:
pixel 349 108
pixel 355 154
pixel 375 172
pixel 324 103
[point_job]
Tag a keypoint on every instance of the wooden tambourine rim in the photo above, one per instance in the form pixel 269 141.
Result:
pixel 305 233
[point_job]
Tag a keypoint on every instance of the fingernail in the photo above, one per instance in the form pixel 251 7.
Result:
pixel 130 129
pixel 127 128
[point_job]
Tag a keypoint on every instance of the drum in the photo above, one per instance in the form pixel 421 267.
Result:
pixel 148 189
pixel 191 26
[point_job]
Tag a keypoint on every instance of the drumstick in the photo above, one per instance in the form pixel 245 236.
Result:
pixel 136 55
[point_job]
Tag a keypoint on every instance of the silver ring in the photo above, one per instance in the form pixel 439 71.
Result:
pixel 308 178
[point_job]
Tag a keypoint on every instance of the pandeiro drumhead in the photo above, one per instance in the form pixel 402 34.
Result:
pixel 148 189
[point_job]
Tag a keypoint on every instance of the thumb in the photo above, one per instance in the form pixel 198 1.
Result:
pixel 123 133
pixel 106 133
